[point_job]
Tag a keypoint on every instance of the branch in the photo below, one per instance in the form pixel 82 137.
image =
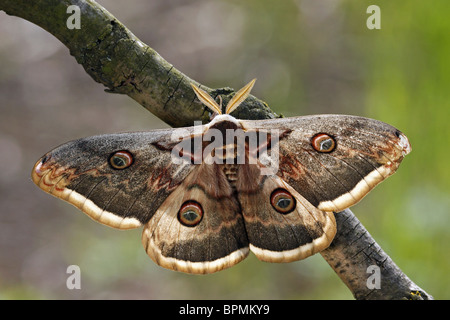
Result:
pixel 354 253
pixel 113 56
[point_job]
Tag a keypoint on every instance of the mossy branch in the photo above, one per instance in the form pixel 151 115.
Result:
pixel 115 57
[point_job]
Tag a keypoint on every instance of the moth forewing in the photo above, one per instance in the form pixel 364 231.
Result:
pixel 180 153
pixel 187 144
pixel 269 155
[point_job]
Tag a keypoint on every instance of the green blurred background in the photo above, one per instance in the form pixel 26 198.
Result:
pixel 309 57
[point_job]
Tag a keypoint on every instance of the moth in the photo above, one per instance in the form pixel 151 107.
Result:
pixel 207 195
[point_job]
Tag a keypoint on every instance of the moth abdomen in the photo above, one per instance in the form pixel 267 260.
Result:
pixel 231 172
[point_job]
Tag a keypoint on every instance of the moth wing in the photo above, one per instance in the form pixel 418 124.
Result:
pixel 366 152
pixel 80 172
pixel 217 240
pixel 277 236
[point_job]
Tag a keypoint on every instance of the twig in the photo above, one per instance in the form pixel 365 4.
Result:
pixel 357 258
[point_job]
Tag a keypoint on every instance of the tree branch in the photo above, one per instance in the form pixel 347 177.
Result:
pixel 353 255
pixel 113 56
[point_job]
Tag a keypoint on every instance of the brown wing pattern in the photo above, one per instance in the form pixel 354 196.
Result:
pixel 80 172
pixel 366 152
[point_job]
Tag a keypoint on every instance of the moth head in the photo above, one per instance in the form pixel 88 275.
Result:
pixel 215 107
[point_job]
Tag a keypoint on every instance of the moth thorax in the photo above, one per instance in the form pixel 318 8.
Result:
pixel 228 141
pixel 228 153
